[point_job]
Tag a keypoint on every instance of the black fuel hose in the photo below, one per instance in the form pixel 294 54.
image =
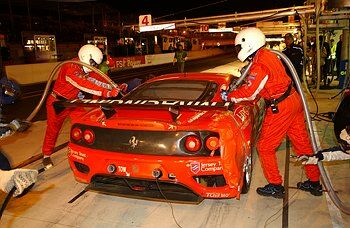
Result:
pixel 335 199
pixel 234 85
pixel 37 108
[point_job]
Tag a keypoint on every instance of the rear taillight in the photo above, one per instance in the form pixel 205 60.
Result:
pixel 89 136
pixel 193 143
pixel 76 134
pixel 212 143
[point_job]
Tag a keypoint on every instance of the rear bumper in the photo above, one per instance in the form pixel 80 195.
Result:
pixel 143 189
pixel 187 178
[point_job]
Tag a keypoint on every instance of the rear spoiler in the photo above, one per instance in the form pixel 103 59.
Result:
pixel 173 106
pixel 141 103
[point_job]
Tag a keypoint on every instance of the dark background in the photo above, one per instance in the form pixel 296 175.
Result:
pixel 129 10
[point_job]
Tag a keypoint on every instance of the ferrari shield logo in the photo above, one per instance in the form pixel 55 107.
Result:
pixel 195 167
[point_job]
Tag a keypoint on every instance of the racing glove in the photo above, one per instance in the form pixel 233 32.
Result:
pixel 111 93
pixel 331 154
pixel 123 87
pixel 224 92
pixel 344 134
pixel 18 178
pixel 7 129
pixel 224 95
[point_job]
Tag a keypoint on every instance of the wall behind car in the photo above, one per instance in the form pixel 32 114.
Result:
pixel 25 74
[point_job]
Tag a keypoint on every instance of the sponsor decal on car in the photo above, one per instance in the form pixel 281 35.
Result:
pixel 77 154
pixel 171 127
pixel 197 116
pixel 196 166
pixel 216 195
pixel 211 166
pixel 147 102
pixel 241 114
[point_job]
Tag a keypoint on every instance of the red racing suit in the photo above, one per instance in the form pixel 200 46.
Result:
pixel 70 81
pixel 268 78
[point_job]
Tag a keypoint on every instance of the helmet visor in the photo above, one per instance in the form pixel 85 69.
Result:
pixel 238 48
pixel 92 62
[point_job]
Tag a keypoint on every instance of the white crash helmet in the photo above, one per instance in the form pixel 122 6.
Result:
pixel 250 40
pixel 91 55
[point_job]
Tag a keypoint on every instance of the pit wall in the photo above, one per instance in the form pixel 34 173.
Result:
pixel 39 72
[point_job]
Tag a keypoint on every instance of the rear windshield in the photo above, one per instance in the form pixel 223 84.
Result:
pixel 175 90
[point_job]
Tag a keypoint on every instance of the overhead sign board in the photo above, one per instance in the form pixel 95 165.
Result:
pixel 157 27
pixel 204 28
pixel 145 20
pixel 221 25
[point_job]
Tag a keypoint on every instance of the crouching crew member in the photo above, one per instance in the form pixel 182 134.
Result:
pixel 342 132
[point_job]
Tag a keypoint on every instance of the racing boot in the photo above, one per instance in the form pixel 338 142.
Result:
pixel 273 190
pixel 47 162
pixel 314 187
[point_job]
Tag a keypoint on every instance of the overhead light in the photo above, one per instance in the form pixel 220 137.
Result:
pixel 221 30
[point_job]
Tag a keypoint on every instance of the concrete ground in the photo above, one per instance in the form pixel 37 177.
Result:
pixel 46 205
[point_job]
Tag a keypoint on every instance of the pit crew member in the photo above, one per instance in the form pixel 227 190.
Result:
pixel 284 115
pixel 71 80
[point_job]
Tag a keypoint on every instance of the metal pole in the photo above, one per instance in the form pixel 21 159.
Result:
pixel 119 25
pixel 345 53
pixel 59 15
pixel 93 18
pixel 11 18
pixel 306 58
pixel 29 17
pixel 285 212
pixel 318 54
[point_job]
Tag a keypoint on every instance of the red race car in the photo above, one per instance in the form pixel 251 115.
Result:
pixel 171 138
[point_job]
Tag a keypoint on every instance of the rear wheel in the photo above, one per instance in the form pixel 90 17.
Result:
pixel 247 178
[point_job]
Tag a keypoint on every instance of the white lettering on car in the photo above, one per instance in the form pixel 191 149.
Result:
pixel 217 195
pixel 150 102
pixel 196 166
pixel 211 167
pixel 77 155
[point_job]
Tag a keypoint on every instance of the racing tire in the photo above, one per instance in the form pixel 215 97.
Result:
pixel 247 176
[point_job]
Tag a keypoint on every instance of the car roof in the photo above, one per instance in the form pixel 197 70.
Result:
pixel 206 76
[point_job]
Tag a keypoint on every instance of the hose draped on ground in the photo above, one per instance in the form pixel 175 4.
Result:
pixel 52 76
pixel 324 175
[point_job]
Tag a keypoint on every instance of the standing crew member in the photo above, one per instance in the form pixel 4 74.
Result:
pixel 71 80
pixel 295 54
pixel 107 61
pixel 338 55
pixel 284 115
pixel 180 58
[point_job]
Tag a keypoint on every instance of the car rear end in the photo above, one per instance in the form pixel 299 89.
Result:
pixel 150 153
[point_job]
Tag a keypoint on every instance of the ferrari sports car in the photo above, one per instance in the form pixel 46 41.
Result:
pixel 171 138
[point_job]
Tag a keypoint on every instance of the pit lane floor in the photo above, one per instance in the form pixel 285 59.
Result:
pixel 46 205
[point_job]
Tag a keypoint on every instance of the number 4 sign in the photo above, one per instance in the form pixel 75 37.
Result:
pixel 145 20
